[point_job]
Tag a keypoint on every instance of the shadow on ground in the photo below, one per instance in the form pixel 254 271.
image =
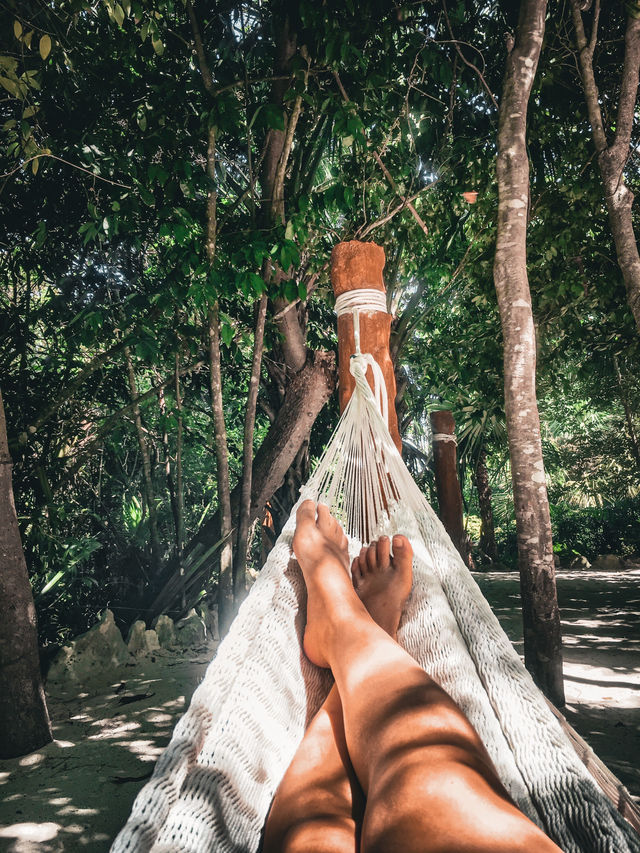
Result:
pixel 76 793
pixel 600 614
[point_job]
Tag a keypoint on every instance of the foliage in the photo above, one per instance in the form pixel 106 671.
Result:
pixel 104 187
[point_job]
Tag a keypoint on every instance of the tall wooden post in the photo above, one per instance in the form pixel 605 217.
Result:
pixel 447 482
pixel 354 266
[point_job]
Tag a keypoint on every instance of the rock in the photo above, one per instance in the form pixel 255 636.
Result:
pixel 608 563
pixel 140 640
pixel 191 631
pixel 99 651
pixel 165 631
pixel 579 562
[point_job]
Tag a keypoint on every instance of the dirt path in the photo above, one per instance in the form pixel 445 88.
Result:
pixel 75 794
pixel 600 614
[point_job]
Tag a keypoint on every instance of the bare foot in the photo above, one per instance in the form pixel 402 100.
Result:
pixel 383 583
pixel 321 549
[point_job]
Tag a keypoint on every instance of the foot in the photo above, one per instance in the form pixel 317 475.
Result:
pixel 321 549
pixel 383 583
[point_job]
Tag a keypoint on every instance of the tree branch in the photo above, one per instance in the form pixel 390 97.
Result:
pixel 385 171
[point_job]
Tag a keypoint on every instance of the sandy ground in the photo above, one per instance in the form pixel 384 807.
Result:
pixel 75 794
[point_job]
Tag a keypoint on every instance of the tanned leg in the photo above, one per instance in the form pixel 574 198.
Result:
pixel 319 805
pixel 429 783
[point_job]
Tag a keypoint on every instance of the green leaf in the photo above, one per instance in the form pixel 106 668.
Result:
pixel 45 46
pixel 147 197
pixel 17 29
pixel 158 46
pixel 11 87
pixel 118 14
pixel 226 333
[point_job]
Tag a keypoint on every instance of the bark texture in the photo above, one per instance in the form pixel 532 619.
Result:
pixel 356 265
pixel 240 561
pixel 447 482
pixel 541 619
pixel 24 719
pixel 612 158
pixel 225 577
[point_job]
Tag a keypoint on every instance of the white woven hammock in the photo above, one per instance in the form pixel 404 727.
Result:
pixel 212 786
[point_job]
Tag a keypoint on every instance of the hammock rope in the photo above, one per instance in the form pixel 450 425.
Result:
pixel 212 787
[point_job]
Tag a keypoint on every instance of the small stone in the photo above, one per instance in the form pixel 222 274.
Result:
pixel 165 629
pixel 608 563
pixel 191 631
pixel 579 562
pixel 140 640
pixel 101 649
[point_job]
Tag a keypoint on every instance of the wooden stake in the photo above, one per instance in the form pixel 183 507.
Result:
pixel 354 266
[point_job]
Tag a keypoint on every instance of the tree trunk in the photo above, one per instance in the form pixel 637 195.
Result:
pixel 240 562
pixel 487 543
pixel 447 482
pixel 167 462
pixel 613 158
pixel 179 486
pixel 146 464
pixel 24 719
pixel 628 415
pixel 225 578
pixel 541 619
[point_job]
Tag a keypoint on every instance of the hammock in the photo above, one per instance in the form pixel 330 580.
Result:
pixel 213 785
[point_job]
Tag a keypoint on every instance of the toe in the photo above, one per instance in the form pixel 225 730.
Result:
pixel 402 551
pixel 306 511
pixel 356 574
pixel 325 521
pixel 372 557
pixel 362 561
pixel 383 549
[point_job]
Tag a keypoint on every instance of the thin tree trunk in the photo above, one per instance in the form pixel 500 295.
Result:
pixel 179 485
pixel 167 463
pixel 613 158
pixel 225 578
pixel 488 545
pixel 240 563
pixel 447 482
pixel 541 618
pixel 633 438
pixel 146 463
pixel 24 719
pixel 225 581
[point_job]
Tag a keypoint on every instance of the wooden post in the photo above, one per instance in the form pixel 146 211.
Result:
pixel 356 265
pixel 447 483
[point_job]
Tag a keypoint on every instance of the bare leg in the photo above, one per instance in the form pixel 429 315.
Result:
pixel 429 783
pixel 319 805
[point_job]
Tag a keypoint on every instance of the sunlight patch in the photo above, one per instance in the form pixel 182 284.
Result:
pixel 36 832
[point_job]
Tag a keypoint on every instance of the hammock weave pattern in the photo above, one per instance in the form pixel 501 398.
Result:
pixel 213 785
